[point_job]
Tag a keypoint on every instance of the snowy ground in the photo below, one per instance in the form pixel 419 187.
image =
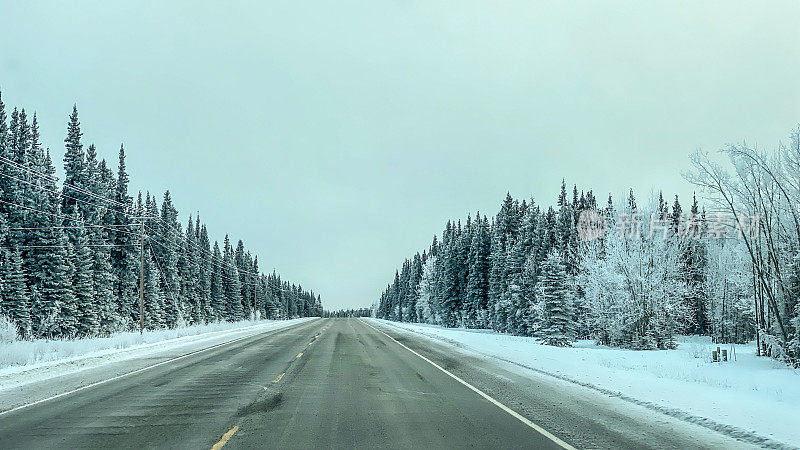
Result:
pixel 755 395
pixel 24 362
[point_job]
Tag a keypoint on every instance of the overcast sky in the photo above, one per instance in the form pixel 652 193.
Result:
pixel 335 138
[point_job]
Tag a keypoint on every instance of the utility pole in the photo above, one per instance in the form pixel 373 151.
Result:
pixel 141 280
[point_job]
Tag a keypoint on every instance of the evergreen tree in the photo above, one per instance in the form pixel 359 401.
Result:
pixel 205 270
pixel 14 299
pixel 676 220
pixel 125 254
pixel 56 311
pixel 74 162
pixel 153 296
pixel 557 302
pixel 216 290
pixel 167 260
pixel 88 311
pixel 695 267
pixel 478 274
pixel 103 286
pixel 232 289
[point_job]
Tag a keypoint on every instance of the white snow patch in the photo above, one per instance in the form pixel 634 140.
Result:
pixel 27 361
pixel 754 394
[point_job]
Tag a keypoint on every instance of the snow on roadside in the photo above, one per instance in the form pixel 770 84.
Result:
pixel 19 357
pixel 752 394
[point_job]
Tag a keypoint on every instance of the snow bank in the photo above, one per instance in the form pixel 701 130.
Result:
pixel 18 356
pixel 752 395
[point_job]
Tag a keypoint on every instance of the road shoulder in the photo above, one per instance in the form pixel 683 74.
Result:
pixel 584 417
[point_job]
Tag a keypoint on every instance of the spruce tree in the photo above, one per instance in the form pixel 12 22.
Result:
pixel 695 269
pixel 74 165
pixel 124 256
pixel 232 289
pixel 167 259
pixel 103 285
pixel 88 311
pixel 216 289
pixel 190 275
pixel 56 311
pixel 205 268
pixel 153 296
pixel 14 299
pixel 676 220
pixel 556 299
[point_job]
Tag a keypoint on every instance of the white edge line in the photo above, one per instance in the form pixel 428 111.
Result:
pixel 45 365
pixel 98 383
pixel 505 408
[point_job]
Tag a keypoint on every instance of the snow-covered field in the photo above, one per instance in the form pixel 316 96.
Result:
pixel 755 395
pixel 25 361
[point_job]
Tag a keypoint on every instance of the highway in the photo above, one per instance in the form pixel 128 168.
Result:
pixel 339 383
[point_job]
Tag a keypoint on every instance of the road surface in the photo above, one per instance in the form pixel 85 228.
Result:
pixel 339 383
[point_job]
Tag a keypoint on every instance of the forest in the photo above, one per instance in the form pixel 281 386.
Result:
pixel 74 254
pixel 358 312
pixel 626 274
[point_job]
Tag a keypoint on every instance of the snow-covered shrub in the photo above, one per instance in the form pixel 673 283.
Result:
pixel 8 330
pixel 427 293
pixel 635 290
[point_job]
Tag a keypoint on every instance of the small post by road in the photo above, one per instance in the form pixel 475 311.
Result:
pixel 141 280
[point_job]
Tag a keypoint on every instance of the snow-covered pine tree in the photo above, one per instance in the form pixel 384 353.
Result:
pixel 695 267
pixel 232 289
pixel 257 292
pixel 513 299
pixel 153 296
pixel 556 298
pixel 216 289
pixel 14 299
pixel 497 281
pixel 74 166
pixel 478 274
pixel 124 255
pixel 88 311
pixel 205 255
pixel 190 275
pixel 242 271
pixel 167 258
pixel 103 285
pixel 56 312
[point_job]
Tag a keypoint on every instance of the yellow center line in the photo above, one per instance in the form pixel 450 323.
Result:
pixel 299 355
pixel 225 438
pixel 278 378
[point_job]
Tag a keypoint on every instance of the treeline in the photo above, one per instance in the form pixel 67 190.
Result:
pixel 626 276
pixel 525 271
pixel 71 253
pixel 359 312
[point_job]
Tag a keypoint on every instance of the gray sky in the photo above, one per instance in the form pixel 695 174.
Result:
pixel 336 137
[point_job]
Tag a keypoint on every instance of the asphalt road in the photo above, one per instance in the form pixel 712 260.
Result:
pixel 336 383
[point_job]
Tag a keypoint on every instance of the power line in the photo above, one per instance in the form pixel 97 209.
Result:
pixel 55 179
pixel 166 284
pixel 69 245
pixel 167 226
pixel 208 258
pixel 61 194
pixel 65 227
pixel 208 254
pixel 62 216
